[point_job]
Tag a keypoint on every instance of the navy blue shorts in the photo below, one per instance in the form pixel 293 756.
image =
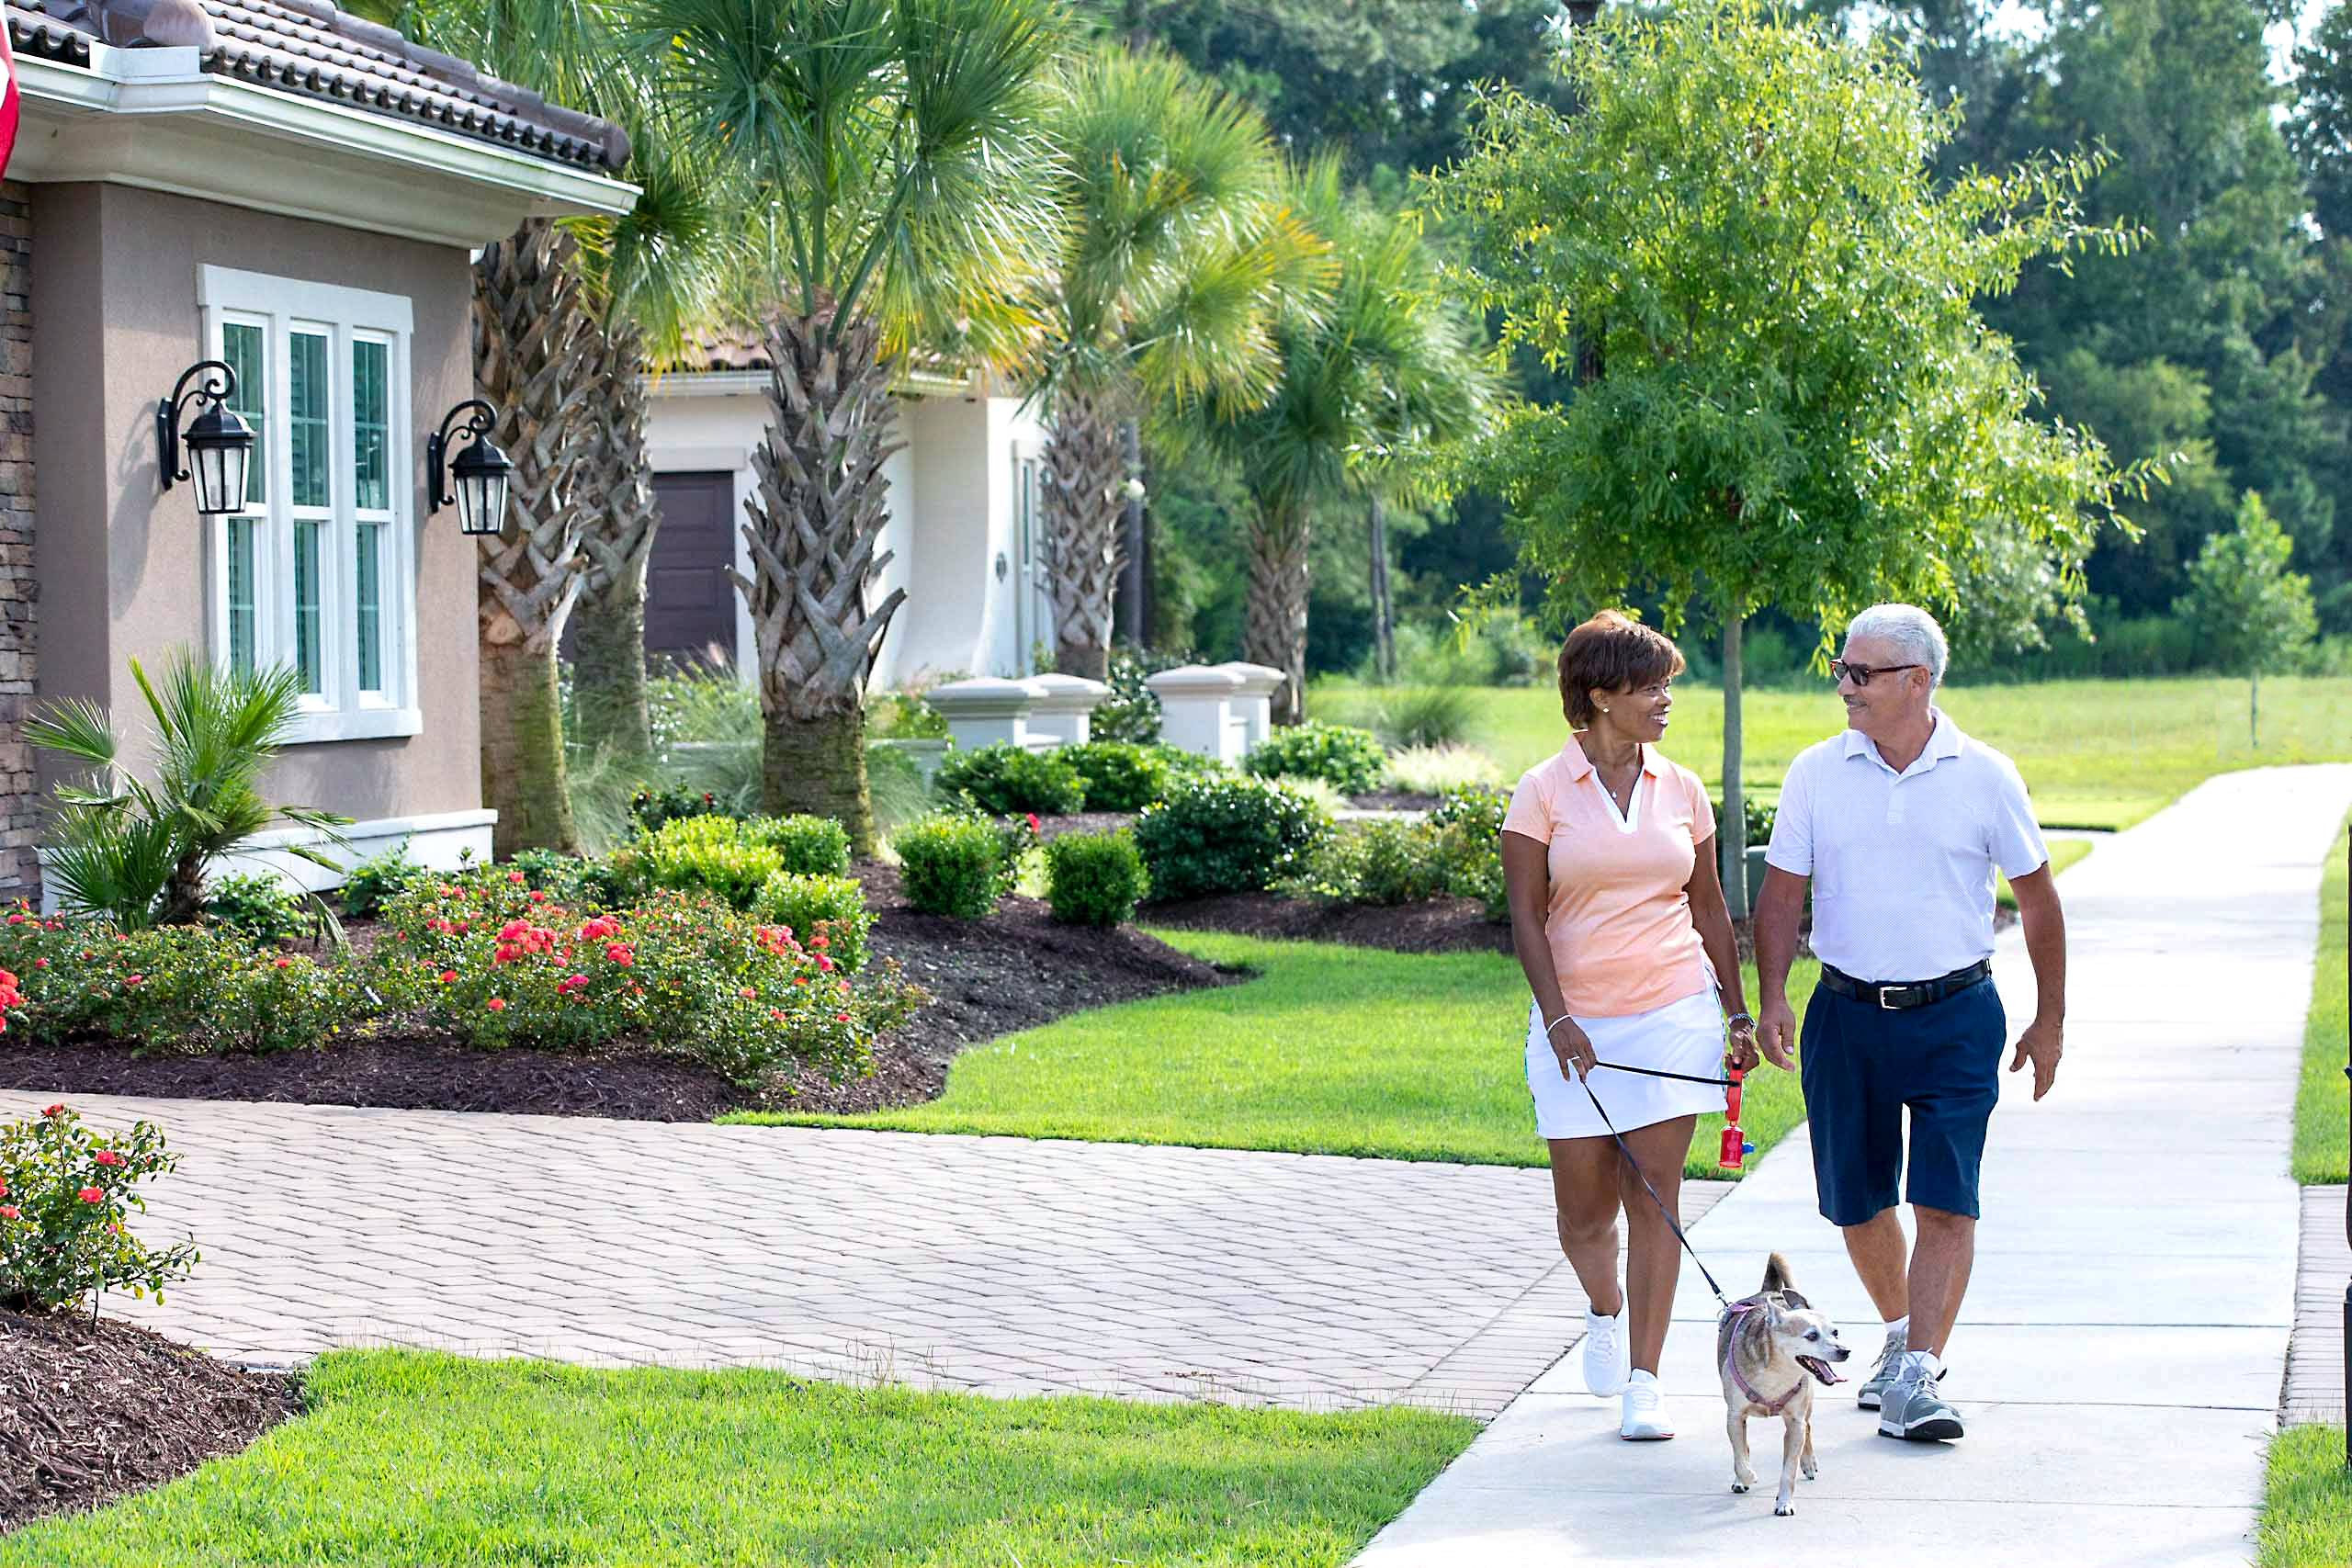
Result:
pixel 1863 1065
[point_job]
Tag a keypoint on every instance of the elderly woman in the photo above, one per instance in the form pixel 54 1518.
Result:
pixel 1618 918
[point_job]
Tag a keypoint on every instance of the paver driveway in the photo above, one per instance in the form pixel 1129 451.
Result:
pixel 1000 1265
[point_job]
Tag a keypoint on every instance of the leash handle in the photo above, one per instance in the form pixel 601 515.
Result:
pixel 1673 1221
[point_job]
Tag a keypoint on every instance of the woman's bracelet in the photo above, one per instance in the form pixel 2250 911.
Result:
pixel 1735 1020
pixel 1556 1023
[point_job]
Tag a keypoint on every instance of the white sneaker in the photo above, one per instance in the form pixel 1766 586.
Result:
pixel 1643 1420
pixel 1608 1357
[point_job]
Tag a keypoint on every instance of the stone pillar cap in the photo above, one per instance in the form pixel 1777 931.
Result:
pixel 983 696
pixel 1255 678
pixel 1192 678
pixel 1060 693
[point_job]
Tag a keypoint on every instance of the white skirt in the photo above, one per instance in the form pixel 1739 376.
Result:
pixel 1684 1036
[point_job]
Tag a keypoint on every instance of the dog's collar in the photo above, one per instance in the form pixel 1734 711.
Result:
pixel 1731 1364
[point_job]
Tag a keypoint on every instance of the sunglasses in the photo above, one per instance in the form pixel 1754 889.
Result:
pixel 1860 673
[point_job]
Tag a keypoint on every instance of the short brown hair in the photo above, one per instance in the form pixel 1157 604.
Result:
pixel 1612 653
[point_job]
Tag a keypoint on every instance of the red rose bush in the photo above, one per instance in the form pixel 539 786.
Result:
pixel 65 1200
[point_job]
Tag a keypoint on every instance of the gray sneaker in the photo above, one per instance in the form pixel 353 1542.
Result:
pixel 1913 1410
pixel 1890 1359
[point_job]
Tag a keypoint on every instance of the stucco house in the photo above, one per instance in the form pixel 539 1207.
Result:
pixel 295 191
pixel 963 532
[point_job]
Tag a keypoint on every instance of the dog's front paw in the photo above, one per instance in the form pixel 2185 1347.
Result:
pixel 1812 1471
pixel 1739 1488
pixel 1784 1510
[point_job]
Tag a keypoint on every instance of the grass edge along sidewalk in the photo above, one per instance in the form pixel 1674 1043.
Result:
pixel 1329 1050
pixel 2306 1501
pixel 2321 1152
pixel 419 1457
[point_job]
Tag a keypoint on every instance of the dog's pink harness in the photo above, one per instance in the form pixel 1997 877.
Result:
pixel 1731 1363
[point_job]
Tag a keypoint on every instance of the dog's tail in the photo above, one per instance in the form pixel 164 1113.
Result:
pixel 1775 1274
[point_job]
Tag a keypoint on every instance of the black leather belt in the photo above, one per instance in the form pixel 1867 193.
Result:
pixel 1895 997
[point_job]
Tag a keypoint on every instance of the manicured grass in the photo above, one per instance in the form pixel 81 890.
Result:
pixel 2321 1154
pixel 2063 853
pixel 2306 1501
pixel 2095 753
pixel 411 1459
pixel 1330 1050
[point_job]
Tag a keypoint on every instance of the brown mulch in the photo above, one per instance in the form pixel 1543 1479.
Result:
pixel 1441 925
pixel 90 1412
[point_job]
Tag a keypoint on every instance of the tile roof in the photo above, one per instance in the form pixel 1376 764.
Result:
pixel 310 48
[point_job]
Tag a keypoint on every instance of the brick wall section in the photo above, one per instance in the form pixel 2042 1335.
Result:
pixel 19 788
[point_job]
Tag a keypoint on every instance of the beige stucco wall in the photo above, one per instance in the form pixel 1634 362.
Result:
pixel 121 563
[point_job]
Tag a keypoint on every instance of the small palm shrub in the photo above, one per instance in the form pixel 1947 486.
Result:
pixel 1225 833
pixel 136 851
pixel 1118 774
pixel 66 1198
pixel 1349 759
pixel 368 883
pixel 809 846
pixel 825 914
pixel 1433 769
pixel 1006 780
pixel 1094 879
pixel 1379 863
pixel 957 865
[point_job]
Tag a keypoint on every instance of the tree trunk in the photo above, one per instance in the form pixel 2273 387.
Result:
pixel 1274 627
pixel 814 536
pixel 521 744
pixel 530 352
pixel 2254 708
pixel 1384 611
pixel 620 519
pixel 1731 833
pixel 1085 475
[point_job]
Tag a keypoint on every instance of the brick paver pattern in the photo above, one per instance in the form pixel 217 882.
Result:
pixel 2314 1389
pixel 998 1265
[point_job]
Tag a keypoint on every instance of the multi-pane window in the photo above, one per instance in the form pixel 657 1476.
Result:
pixel 317 572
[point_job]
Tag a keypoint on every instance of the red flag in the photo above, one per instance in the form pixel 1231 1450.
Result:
pixel 7 97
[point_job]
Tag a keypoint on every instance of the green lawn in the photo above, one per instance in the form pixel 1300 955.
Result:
pixel 2307 1501
pixel 2320 1152
pixel 1330 1050
pixel 2095 753
pixel 404 1458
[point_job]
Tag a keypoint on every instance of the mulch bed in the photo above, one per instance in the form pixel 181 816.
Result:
pixel 1441 925
pixel 90 1412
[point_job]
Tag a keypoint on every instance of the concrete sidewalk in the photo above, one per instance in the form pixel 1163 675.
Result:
pixel 2120 1352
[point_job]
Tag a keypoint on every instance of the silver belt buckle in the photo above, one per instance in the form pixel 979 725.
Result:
pixel 1886 991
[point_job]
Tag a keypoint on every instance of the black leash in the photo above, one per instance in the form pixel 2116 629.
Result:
pixel 1685 1077
pixel 1673 1223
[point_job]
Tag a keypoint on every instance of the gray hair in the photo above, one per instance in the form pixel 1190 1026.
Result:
pixel 1910 629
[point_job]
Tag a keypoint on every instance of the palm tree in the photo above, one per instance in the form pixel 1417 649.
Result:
pixel 1374 385
pixel 907 188
pixel 1182 254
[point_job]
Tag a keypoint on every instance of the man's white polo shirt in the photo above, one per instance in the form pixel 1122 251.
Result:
pixel 1902 863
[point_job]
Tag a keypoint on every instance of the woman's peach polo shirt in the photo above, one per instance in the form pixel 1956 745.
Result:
pixel 1618 920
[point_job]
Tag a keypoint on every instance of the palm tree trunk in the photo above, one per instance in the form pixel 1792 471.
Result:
pixel 1273 626
pixel 1085 474
pixel 1731 833
pixel 1384 610
pixel 528 352
pixel 815 537
pixel 609 645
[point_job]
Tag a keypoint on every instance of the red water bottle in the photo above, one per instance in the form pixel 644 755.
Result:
pixel 1735 1144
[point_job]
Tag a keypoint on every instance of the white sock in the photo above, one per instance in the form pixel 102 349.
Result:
pixel 1594 1319
pixel 1643 1376
pixel 1899 1324
pixel 1929 1364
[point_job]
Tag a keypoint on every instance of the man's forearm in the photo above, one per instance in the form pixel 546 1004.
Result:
pixel 2045 946
pixel 1776 939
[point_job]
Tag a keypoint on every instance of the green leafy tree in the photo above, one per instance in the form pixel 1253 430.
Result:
pixel 2251 612
pixel 1180 254
pixel 903 191
pixel 1796 405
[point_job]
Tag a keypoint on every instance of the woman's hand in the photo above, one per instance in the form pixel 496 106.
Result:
pixel 1739 1047
pixel 1574 1048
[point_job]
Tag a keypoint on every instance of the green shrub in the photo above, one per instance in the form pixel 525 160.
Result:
pixel 1181 763
pixel 551 872
pixel 652 809
pixel 1094 879
pixel 188 989
pixel 1349 761
pixel 1315 793
pixel 65 1206
pixel 1479 807
pixel 1118 774
pixel 825 914
pixel 1130 712
pixel 1007 781
pixel 957 865
pixel 1759 815
pixel 810 846
pixel 261 907
pixel 1468 821
pixel 706 854
pixel 1379 862
pixel 366 885
pixel 1225 833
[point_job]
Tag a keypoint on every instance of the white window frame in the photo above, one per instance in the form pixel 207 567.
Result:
pixel 339 710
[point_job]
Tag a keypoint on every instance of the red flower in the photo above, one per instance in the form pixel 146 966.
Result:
pixel 824 963
pixel 40 963
pixel 840 1017
pixel 8 1211
pixel 57 1110
pixel 91 1195
pixel 776 1013
pixel 448 977
pixel 106 1156
pixel 841 986
pixel 3 1189
pixel 280 962
pixel 746 993
pixel 620 955
pixel 132 979
pixel 17 919
pixel 497 1004
pixel 800 979
pixel 820 942
pixel 513 876
pixel 1033 821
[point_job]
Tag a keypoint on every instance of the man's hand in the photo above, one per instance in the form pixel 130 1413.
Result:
pixel 2039 1044
pixel 1776 1033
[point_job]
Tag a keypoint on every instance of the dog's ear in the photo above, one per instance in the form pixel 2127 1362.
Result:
pixel 1794 1301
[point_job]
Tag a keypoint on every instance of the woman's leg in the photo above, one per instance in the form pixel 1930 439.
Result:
pixel 1584 1198
pixel 1654 1258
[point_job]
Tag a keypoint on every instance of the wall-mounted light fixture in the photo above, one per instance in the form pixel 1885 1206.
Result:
pixel 219 443
pixel 475 481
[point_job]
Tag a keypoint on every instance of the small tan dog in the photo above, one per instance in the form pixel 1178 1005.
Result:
pixel 1773 1347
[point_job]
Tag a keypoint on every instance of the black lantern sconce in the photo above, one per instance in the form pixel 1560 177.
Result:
pixel 219 443
pixel 475 481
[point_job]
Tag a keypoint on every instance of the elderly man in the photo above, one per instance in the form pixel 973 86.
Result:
pixel 1900 823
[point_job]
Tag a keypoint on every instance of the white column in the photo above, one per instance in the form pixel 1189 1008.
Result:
pixel 1196 710
pixel 1064 711
pixel 1254 703
pixel 984 711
